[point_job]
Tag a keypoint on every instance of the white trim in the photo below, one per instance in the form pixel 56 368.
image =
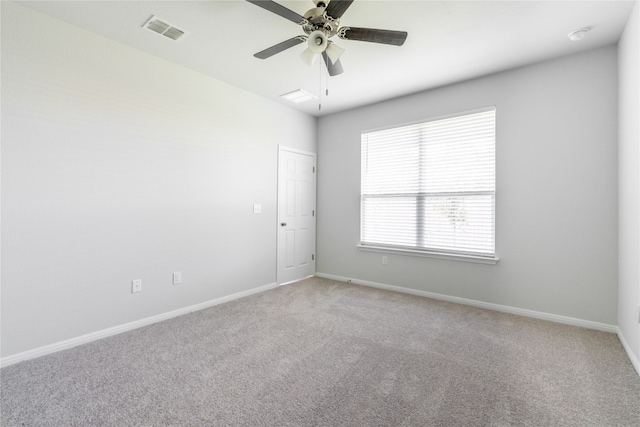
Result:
pixel 313 155
pixel 93 336
pixel 481 304
pixel 632 357
pixel 295 150
pixel 84 339
pixel 427 254
pixel 296 280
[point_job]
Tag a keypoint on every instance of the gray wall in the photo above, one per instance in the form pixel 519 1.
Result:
pixel 556 190
pixel 116 166
pixel 629 186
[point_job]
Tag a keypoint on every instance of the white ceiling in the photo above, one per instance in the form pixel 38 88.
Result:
pixel 449 41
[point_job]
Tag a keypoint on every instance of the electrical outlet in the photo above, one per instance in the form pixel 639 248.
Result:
pixel 177 278
pixel 385 260
pixel 257 209
pixel 136 286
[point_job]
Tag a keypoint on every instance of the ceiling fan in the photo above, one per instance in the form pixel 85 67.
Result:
pixel 320 24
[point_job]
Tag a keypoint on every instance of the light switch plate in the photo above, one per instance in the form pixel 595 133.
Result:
pixel 177 278
pixel 257 209
pixel 136 286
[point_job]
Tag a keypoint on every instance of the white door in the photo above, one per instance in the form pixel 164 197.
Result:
pixel 296 214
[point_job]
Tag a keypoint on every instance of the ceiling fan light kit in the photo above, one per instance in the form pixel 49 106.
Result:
pixel 317 41
pixel 333 52
pixel 320 24
pixel 308 56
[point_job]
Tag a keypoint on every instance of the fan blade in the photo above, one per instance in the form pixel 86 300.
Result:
pixel 395 38
pixel 337 8
pixel 279 47
pixel 278 9
pixel 333 68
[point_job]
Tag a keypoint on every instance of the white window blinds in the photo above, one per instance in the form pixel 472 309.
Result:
pixel 431 186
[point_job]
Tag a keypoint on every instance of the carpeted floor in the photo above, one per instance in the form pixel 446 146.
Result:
pixel 323 353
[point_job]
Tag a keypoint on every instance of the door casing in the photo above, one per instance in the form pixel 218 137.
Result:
pixel 296 235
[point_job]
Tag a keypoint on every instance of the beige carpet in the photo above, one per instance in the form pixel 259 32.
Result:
pixel 323 353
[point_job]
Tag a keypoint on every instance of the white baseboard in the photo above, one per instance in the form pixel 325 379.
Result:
pixel 93 336
pixel 632 357
pixel 296 280
pixel 84 339
pixel 481 304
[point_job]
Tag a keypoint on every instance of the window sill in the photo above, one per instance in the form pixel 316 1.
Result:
pixel 426 254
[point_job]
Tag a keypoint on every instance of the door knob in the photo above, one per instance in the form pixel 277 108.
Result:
pixel 283 224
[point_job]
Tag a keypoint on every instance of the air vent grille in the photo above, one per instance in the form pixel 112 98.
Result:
pixel 160 26
pixel 173 33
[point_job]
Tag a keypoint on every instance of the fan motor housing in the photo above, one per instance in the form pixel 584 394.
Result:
pixel 318 20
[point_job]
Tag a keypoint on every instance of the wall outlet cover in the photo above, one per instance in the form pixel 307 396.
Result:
pixel 136 286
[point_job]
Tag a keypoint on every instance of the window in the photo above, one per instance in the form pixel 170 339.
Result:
pixel 430 187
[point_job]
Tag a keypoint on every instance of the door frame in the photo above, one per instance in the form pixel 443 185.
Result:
pixel 282 148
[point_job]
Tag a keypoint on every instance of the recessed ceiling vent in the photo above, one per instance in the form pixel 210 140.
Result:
pixel 162 27
pixel 298 96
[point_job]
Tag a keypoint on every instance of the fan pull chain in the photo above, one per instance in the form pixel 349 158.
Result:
pixel 320 86
pixel 327 84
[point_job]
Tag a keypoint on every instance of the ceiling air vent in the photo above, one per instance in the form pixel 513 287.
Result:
pixel 163 28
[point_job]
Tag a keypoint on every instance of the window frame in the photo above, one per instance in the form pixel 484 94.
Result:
pixel 426 251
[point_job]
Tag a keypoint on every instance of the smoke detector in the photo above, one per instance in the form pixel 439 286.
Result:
pixel 576 35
